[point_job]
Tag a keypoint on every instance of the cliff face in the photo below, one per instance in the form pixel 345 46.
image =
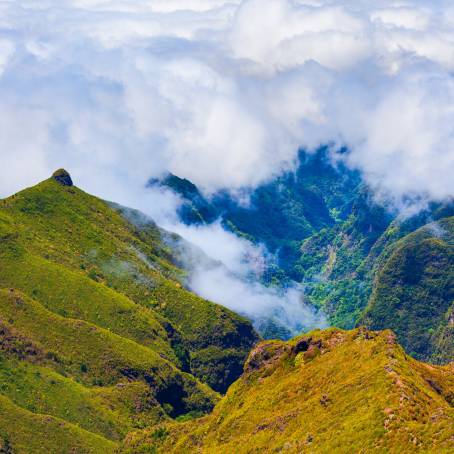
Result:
pixel 328 391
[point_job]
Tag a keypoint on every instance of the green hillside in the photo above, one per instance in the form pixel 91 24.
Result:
pixel 328 391
pixel 22 431
pixel 102 349
pixel 320 223
pixel 109 411
pixel 413 292
pixel 96 356
pixel 97 334
pixel 354 257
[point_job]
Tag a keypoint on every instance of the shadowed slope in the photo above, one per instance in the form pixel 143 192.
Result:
pixel 413 292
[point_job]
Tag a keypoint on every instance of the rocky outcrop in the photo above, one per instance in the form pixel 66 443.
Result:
pixel 62 177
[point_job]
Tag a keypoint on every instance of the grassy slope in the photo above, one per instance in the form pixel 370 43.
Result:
pixel 110 412
pixel 96 356
pixel 413 292
pixel 79 337
pixel 108 309
pixel 68 228
pixel 22 431
pixel 328 391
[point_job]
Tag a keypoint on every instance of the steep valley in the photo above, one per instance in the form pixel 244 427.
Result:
pixel 359 260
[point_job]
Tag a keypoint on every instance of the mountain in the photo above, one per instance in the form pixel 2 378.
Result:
pixel 319 222
pixel 97 334
pixel 327 391
pixel 280 214
pixel 103 349
pixel 354 256
pixel 413 292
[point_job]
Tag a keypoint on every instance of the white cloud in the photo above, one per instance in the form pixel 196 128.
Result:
pixel 231 278
pixel 6 51
pixel 220 245
pixel 255 301
pixel 285 35
pixel 224 92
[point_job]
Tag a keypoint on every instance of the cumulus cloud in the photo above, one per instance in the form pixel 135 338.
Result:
pixel 286 34
pixel 224 92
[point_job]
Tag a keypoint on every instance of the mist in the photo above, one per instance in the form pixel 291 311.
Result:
pixel 228 270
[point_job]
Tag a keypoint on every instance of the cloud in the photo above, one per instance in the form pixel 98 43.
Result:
pixel 409 140
pixel 6 51
pixel 286 34
pixel 227 269
pixel 260 304
pixel 215 92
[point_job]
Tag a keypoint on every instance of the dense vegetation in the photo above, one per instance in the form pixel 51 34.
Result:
pixel 319 223
pixel 351 254
pixel 413 292
pixel 97 334
pixel 327 391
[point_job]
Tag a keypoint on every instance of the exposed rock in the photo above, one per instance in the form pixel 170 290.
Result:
pixel 62 177
pixel 266 354
pixel 301 345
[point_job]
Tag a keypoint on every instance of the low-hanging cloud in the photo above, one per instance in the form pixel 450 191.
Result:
pixel 227 269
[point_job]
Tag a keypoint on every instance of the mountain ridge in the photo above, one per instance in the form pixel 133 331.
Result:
pixel 304 396
pixel 83 293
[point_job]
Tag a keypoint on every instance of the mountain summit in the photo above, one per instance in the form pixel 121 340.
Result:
pixel 63 177
pixel 97 334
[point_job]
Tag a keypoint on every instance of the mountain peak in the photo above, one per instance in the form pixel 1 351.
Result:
pixel 62 177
